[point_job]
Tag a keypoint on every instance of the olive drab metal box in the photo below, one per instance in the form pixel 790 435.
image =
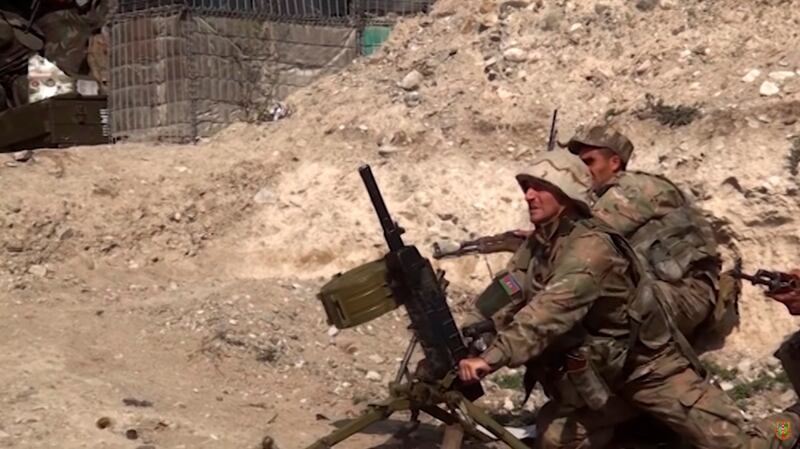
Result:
pixel 60 121
pixel 358 295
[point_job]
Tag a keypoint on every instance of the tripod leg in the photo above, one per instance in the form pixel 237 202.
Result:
pixel 374 414
pixel 453 437
pixel 480 417
pixel 448 418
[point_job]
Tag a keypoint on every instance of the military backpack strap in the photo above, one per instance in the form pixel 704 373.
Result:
pixel 644 280
pixel 683 344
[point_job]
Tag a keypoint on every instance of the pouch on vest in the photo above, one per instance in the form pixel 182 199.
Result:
pixel 587 382
pixel 652 329
pixel 724 317
pixel 504 290
pixel 674 243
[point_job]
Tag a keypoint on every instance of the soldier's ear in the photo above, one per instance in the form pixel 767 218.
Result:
pixel 616 162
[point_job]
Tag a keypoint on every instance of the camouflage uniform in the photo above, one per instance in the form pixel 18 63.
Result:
pixel 579 302
pixel 68 33
pixel 674 239
pixel 63 34
pixel 16 45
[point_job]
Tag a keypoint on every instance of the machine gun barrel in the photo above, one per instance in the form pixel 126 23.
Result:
pixel 391 231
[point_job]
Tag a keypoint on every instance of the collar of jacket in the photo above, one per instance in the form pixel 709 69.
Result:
pixel 548 233
pixel 600 191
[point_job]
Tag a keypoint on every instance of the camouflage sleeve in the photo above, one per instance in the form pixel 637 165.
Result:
pixel 575 284
pixel 496 303
pixel 628 206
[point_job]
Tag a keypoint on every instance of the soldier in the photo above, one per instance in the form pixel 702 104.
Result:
pixel 789 351
pixel 578 291
pixel 672 236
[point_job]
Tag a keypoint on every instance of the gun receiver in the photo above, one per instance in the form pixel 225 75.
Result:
pixel 775 281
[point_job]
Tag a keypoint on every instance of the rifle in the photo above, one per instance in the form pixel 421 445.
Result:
pixel 774 281
pixel 406 278
pixel 551 140
pixel 508 241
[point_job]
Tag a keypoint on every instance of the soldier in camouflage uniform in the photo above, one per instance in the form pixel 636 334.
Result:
pixel 672 236
pixel 578 291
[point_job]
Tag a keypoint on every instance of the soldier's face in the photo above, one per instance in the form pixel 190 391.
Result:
pixel 602 165
pixel 544 206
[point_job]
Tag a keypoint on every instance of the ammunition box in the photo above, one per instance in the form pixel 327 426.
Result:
pixel 358 295
pixel 61 121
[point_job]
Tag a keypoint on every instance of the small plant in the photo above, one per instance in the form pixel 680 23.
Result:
pixel 672 116
pixel 510 381
pixel 721 372
pixel 765 381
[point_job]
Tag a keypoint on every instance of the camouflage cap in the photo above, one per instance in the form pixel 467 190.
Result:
pixel 602 137
pixel 564 171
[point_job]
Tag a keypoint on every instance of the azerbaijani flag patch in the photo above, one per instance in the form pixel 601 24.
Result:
pixel 510 285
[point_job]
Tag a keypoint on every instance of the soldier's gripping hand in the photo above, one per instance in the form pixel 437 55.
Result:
pixel 473 369
pixel 790 299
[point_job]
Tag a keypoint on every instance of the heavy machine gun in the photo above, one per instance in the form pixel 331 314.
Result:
pixel 403 277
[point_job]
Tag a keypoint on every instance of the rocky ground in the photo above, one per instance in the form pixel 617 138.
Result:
pixel 164 296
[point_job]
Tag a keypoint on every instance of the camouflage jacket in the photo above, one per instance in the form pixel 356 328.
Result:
pixel 669 233
pixel 631 199
pixel 570 287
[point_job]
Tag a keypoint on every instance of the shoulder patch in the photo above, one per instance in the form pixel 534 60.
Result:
pixel 510 285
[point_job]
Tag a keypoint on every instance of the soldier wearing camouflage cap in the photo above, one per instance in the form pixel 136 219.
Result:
pixel 670 233
pixel 580 303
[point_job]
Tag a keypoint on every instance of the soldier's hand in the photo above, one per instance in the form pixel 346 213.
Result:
pixel 473 369
pixel 790 299
pixel 524 233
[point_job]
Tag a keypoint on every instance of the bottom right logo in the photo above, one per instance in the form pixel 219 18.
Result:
pixel 783 430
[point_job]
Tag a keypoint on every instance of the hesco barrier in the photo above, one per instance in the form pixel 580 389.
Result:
pixel 183 69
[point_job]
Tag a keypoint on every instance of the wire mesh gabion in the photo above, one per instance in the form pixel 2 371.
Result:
pixel 183 69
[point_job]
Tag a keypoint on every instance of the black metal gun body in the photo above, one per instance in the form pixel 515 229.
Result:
pixel 416 286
